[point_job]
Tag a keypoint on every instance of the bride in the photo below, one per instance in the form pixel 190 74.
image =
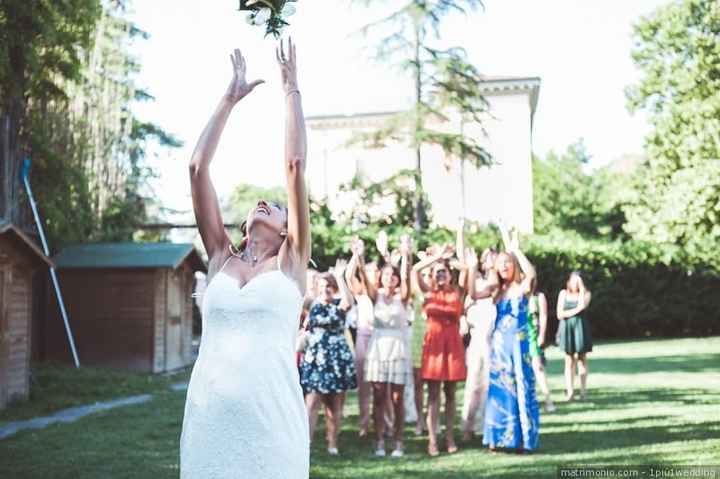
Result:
pixel 244 413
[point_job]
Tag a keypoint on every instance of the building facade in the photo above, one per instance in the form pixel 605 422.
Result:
pixel 501 191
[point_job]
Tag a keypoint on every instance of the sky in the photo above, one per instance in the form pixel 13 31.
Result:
pixel 579 48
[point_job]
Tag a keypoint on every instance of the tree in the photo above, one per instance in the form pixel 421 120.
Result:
pixel 677 50
pixel 41 45
pixel 568 198
pixel 445 84
pixel 78 126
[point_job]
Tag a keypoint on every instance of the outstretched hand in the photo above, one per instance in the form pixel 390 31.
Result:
pixel 339 269
pixel 357 246
pixel 471 259
pixel 239 87
pixel 288 65
pixel 405 245
pixel 382 243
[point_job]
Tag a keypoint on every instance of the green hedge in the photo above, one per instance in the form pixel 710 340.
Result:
pixel 638 289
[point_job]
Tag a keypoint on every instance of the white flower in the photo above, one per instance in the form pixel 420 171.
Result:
pixel 262 16
pixel 288 10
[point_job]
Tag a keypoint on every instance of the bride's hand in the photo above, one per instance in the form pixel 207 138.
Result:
pixel 288 66
pixel 239 87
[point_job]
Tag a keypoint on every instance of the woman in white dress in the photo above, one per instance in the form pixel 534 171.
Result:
pixel 244 413
pixel 480 318
pixel 365 316
pixel 386 362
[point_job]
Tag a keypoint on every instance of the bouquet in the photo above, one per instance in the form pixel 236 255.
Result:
pixel 268 13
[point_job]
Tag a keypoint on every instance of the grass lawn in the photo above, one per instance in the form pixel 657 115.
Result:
pixel 650 402
pixel 55 386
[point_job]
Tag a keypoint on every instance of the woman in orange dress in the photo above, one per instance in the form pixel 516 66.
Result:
pixel 443 359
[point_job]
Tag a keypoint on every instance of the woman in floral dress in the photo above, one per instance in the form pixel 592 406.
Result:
pixel 512 413
pixel 328 366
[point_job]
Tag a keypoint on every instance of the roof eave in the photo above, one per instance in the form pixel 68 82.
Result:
pixel 27 242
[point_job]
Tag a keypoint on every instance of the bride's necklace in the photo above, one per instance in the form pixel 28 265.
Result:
pixel 248 258
pixel 245 255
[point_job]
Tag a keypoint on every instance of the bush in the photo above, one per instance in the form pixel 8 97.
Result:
pixel 637 288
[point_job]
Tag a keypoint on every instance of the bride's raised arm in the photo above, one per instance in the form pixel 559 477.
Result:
pixel 205 202
pixel 298 239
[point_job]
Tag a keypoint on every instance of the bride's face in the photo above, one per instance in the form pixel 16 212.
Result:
pixel 270 214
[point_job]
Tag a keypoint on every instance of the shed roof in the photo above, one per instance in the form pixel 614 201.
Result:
pixel 129 255
pixel 23 241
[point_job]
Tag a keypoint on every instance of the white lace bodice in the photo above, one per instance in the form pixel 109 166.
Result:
pixel 392 315
pixel 244 414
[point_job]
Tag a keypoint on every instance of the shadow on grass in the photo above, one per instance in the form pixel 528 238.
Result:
pixel 623 398
pixel 624 436
pixel 686 363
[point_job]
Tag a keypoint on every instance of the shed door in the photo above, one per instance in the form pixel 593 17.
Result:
pixel 173 334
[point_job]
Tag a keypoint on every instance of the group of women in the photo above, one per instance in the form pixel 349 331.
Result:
pixel 245 409
pixel 383 326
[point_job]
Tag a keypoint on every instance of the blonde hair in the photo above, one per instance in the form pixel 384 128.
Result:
pixel 517 271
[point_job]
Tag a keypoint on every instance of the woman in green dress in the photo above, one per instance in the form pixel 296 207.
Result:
pixel 574 333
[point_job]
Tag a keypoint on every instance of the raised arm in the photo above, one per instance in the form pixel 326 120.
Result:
pixel 405 280
pixel 351 273
pixel 507 243
pixel 525 265
pixel 560 309
pixel 428 261
pixel 366 286
pixel 383 247
pixel 204 198
pixel 583 302
pixel 489 286
pixel 460 241
pixel 298 239
pixel 346 299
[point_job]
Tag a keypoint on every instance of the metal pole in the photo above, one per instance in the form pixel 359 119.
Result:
pixel 25 173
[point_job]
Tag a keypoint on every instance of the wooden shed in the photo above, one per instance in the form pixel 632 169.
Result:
pixel 19 256
pixel 130 305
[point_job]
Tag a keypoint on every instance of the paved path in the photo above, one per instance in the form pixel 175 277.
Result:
pixel 74 413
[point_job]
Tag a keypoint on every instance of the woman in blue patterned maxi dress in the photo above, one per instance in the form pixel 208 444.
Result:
pixel 512 413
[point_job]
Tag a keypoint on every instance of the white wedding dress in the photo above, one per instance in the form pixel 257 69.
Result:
pixel 244 413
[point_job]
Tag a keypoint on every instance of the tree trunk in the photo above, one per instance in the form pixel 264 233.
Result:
pixel 10 160
pixel 5 173
pixel 419 206
pixel 11 122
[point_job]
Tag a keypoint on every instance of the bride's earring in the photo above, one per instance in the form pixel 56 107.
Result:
pixel 283 233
